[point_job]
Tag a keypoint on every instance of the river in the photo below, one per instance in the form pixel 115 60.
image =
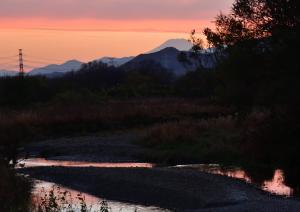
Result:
pixel 274 185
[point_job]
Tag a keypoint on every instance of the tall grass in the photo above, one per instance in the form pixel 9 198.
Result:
pixel 263 137
pixel 188 131
pixel 65 118
pixel 208 141
pixel 57 200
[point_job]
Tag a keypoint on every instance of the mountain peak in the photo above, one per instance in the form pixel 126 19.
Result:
pixel 170 49
pixel 72 61
pixel 179 44
pixel 113 61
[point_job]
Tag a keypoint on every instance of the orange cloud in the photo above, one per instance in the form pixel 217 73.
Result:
pixel 182 26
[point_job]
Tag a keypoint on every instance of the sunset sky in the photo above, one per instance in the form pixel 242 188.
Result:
pixel 58 30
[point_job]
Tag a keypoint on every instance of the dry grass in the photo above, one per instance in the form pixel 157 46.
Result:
pixel 107 115
pixel 56 119
pixel 225 139
pixel 214 140
pixel 188 130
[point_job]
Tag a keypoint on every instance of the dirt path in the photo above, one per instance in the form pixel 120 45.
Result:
pixel 172 188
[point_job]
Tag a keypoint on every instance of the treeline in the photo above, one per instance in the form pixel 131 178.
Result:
pixel 100 81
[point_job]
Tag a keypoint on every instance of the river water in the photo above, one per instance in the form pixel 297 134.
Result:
pixel 66 196
pixel 275 184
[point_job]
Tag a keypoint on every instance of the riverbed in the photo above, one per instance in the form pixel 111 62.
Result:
pixel 107 168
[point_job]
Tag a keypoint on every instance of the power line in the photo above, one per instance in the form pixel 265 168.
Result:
pixel 12 60
pixel 22 61
pixel 13 56
pixel 34 62
pixel 51 60
pixel 40 59
pixel 42 63
pixel 32 67
pixel 9 67
pixel 7 63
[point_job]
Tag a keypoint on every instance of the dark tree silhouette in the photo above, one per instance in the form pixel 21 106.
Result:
pixel 257 46
pixel 254 19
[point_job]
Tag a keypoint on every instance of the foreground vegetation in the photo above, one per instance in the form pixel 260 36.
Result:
pixel 222 140
pixel 14 191
pixel 56 200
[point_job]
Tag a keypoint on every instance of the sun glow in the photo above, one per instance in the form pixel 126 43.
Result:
pixel 88 30
pixel 86 40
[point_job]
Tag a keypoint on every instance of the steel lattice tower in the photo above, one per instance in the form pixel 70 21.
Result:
pixel 21 64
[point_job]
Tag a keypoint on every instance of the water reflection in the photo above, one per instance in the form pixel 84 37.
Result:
pixel 67 199
pixel 271 182
pixel 276 185
pixel 38 162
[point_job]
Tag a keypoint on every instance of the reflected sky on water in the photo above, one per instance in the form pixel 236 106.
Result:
pixel 275 185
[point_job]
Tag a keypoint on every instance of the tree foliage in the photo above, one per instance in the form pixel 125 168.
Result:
pixel 257 45
pixel 254 19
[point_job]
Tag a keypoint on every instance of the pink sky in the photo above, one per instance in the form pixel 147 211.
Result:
pixel 87 29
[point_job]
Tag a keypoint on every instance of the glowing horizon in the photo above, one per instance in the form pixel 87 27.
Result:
pixel 61 30
pixel 56 47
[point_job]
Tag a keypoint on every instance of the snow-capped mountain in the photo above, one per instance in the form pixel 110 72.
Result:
pixel 112 61
pixel 179 44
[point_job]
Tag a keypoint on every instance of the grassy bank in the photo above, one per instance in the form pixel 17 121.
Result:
pixel 61 118
pixel 226 140
pixel 194 141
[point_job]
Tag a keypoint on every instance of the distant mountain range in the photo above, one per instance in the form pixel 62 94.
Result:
pixel 172 55
pixel 56 70
pixel 6 73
